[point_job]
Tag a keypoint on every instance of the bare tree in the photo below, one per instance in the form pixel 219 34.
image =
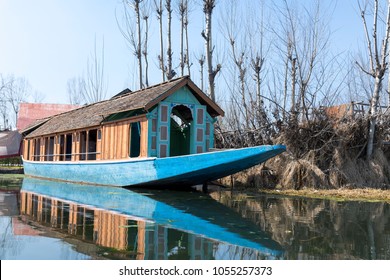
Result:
pixel 3 114
pixel 256 34
pixel 95 82
pixel 184 48
pixel 75 90
pixel 187 52
pixel 3 103
pixel 377 63
pixel 182 9
pixel 38 96
pixel 305 38
pixel 132 36
pixel 170 73
pixel 159 10
pixel 17 91
pixel 145 17
pixel 208 7
pixel 239 61
pixel 201 61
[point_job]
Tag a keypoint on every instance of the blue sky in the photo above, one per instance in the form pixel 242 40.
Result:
pixel 49 41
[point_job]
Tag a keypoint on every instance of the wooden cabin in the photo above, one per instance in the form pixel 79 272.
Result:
pixel 169 119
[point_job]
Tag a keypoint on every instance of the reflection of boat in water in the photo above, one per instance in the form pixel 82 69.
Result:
pixel 146 216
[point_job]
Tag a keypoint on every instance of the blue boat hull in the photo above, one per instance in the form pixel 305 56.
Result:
pixel 182 170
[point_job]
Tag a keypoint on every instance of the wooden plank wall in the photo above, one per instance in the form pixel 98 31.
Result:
pixel 116 139
pixel 114 142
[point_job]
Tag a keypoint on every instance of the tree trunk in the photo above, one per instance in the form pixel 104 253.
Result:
pixel 159 10
pixel 187 60
pixel 378 67
pixel 138 51
pixel 169 70
pixel 293 82
pixel 373 116
pixel 201 63
pixel 208 6
pixel 145 51
pixel 182 13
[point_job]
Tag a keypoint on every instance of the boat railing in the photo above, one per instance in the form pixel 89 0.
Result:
pixel 39 157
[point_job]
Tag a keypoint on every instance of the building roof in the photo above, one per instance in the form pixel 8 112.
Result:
pixel 145 99
pixel 29 113
pixel 9 143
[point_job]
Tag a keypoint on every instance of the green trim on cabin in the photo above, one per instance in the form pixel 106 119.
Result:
pixel 124 115
pixel 152 135
pixel 183 95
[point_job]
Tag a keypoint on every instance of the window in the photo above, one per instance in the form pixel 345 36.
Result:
pixel 49 148
pixel 61 142
pixel 164 113
pixel 37 149
pixel 163 150
pixel 199 134
pixel 199 118
pixel 83 145
pixel 28 150
pixel 92 139
pixel 68 147
pixel 154 125
pixel 135 139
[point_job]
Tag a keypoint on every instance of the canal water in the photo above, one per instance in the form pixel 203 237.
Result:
pixel 50 220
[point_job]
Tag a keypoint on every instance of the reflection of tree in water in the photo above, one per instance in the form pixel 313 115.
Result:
pixel 318 229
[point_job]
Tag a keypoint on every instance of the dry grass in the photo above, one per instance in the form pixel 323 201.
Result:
pixel 342 194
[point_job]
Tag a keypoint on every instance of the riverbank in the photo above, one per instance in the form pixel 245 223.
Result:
pixel 340 194
pixel 11 170
pixel 364 195
pixel 11 181
pixel 324 158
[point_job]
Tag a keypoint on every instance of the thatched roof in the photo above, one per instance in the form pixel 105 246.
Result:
pixel 145 99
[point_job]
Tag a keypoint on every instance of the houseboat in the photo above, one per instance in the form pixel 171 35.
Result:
pixel 160 135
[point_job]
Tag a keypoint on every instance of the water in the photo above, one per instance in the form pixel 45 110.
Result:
pixel 51 220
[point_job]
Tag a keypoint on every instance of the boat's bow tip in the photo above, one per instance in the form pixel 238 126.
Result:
pixel 280 147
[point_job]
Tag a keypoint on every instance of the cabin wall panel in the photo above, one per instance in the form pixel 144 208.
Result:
pixel 104 143
pixel 25 149
pixel 119 140
pixel 108 142
pixel 42 157
pixel 144 138
pixel 99 145
pixel 112 141
pixel 32 149
pixel 56 148
pixel 125 140
pixel 75 144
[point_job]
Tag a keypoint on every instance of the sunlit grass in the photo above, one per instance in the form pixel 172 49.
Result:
pixel 342 194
